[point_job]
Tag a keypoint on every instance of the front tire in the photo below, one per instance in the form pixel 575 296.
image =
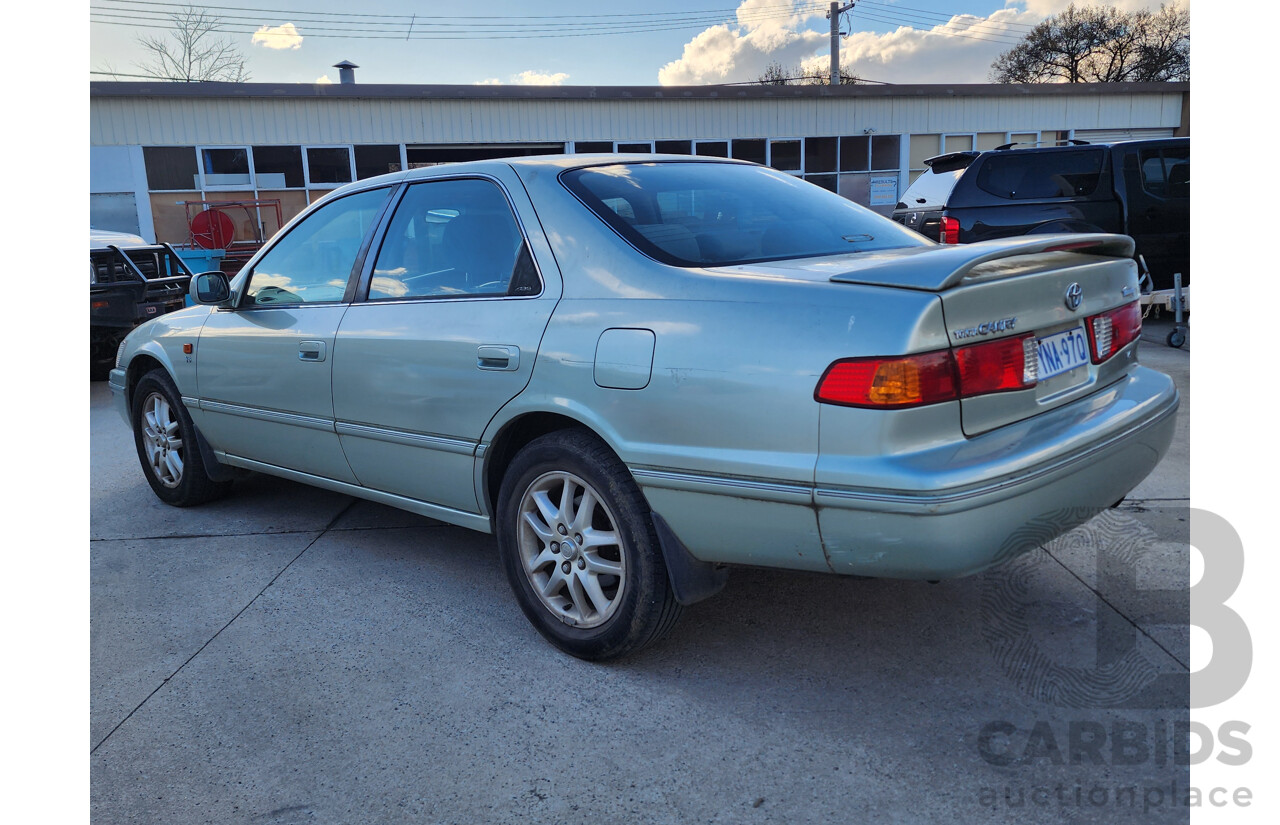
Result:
pixel 579 549
pixel 165 438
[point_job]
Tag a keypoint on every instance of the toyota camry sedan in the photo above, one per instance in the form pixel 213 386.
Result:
pixel 640 371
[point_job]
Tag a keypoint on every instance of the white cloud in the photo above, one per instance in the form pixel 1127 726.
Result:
pixel 771 31
pixel 766 31
pixel 284 36
pixel 532 78
pixel 529 77
pixel 323 79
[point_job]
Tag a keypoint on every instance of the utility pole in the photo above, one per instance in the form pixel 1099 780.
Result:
pixel 834 16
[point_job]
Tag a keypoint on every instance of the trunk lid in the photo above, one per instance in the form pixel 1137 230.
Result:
pixel 1046 286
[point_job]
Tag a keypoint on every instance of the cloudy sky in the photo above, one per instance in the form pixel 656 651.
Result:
pixel 577 42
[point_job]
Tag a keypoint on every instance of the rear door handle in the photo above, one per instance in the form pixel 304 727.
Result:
pixel 311 350
pixel 501 357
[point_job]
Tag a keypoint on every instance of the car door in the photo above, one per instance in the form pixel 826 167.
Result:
pixel 450 313
pixel 1158 191
pixel 264 368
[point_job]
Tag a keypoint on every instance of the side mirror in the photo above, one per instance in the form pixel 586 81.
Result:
pixel 211 288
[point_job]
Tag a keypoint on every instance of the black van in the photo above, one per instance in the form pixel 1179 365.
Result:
pixel 1140 188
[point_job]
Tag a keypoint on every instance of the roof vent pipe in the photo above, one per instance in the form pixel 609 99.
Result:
pixel 346 71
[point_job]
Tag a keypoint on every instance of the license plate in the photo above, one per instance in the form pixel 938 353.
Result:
pixel 1061 352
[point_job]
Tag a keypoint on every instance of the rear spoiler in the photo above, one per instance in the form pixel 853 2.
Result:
pixel 934 269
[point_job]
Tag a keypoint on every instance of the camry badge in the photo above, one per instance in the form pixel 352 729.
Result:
pixel 1073 296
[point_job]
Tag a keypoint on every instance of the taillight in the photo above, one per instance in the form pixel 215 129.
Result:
pixel 1112 331
pixel 931 377
pixel 889 383
pixel 949 231
pixel 998 366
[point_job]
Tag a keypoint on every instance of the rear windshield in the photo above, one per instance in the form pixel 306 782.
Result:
pixel 718 214
pixel 930 190
pixel 1031 175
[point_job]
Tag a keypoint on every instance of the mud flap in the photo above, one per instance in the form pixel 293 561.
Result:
pixel 691 580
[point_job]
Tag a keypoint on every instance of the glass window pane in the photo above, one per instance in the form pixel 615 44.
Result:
pixel 885 151
pixel 674 147
pixel 453 238
pixel 1034 175
pixel 314 261
pixel 592 146
pixel 713 148
pixel 226 166
pixel 855 154
pixel 785 155
pixel 922 147
pixel 278 167
pixel 957 143
pixel 329 165
pixel 750 149
pixel 170 167
pixel 820 155
pixel 827 182
pixel 372 161
pixel 636 148
pixel 718 214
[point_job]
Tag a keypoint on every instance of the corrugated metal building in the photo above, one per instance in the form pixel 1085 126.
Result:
pixel 155 147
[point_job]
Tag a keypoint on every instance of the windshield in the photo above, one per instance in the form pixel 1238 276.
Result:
pixel 718 214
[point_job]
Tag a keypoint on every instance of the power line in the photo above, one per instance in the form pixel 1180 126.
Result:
pixel 894 7
pixel 1003 41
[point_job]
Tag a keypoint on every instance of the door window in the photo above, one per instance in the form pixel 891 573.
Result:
pixel 1033 175
pixel 313 263
pixel 453 238
pixel 1166 172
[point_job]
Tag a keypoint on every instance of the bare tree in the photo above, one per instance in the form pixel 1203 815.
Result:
pixel 1097 44
pixel 193 50
pixel 775 74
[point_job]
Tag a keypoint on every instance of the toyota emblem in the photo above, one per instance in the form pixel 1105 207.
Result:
pixel 1074 296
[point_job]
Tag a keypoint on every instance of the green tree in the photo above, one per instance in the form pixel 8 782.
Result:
pixel 1099 44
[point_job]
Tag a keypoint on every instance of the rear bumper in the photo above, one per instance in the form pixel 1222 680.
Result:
pixel 950 510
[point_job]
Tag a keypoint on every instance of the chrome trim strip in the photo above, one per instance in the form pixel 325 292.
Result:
pixel 273 416
pixel 724 485
pixel 433 442
pixel 481 449
pixel 188 402
pixel 473 521
pixel 951 497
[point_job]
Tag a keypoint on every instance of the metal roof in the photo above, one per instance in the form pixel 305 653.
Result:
pixel 512 92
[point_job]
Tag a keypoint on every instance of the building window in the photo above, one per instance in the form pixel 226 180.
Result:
pixel 712 148
pixel 674 147
pixel 635 147
pixel 328 166
pixel 226 167
pixel 372 161
pixel 278 167
pixel 754 150
pixel 171 168
pixel 820 154
pixel 582 147
pixel 785 155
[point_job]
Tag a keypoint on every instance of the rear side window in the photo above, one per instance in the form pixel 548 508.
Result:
pixel 1166 171
pixel 718 214
pixel 1040 175
pixel 453 238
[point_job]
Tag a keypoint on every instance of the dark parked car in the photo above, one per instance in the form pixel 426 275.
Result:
pixel 130 281
pixel 1140 188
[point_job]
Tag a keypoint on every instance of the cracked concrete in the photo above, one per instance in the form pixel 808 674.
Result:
pixel 289 655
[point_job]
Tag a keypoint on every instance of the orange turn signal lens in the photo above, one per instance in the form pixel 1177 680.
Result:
pixel 889 383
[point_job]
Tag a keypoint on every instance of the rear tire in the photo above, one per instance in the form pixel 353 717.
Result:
pixel 165 438
pixel 579 549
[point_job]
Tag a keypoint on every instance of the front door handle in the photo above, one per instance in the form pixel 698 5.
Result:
pixel 311 351
pixel 501 357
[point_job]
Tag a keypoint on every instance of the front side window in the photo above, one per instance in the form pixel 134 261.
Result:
pixel 453 238
pixel 313 263
pixel 718 214
pixel 1166 172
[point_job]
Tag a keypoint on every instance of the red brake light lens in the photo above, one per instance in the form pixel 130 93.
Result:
pixel 1110 332
pixel 949 231
pixel 997 366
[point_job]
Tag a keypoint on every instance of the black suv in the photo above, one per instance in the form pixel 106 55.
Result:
pixel 1140 188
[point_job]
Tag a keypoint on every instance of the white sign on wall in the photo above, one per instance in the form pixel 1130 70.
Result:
pixel 884 191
